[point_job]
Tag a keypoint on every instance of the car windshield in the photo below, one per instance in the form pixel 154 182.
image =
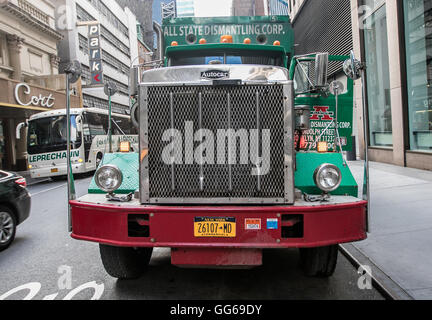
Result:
pixel 50 134
pixel 226 57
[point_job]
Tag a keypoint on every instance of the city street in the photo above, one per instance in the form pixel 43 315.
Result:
pixel 214 129
pixel 43 245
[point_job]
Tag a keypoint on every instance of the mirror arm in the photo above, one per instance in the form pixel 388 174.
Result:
pixel 18 129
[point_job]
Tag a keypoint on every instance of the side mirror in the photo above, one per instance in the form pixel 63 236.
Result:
pixel 79 123
pixel 134 74
pixel 352 67
pixel 18 129
pixel 321 69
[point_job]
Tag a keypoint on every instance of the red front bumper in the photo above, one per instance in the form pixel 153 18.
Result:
pixel 160 226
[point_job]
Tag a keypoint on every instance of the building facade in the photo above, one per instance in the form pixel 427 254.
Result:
pixel 29 79
pixel 393 38
pixel 250 7
pixel 294 7
pixel 119 43
pixel 145 54
pixel 143 11
pixel 279 7
pixel 185 8
pixel 329 31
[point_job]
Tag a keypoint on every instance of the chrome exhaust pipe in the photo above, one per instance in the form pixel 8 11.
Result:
pixel 160 41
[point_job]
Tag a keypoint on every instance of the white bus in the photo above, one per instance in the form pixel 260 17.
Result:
pixel 47 136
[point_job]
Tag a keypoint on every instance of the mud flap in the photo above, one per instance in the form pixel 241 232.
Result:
pixel 217 257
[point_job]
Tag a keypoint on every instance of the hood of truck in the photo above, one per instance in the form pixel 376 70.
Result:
pixel 206 74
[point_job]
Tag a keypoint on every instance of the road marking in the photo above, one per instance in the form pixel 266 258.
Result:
pixel 48 190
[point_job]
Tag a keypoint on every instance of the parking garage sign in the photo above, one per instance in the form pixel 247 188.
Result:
pixel 95 55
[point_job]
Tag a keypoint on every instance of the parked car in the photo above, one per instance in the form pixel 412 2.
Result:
pixel 15 203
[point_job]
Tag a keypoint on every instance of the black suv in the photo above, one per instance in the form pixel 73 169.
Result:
pixel 15 205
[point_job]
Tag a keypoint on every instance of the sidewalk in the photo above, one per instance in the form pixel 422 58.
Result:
pixel 400 242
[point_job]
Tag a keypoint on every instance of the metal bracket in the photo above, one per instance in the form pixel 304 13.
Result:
pixel 325 197
pixel 114 198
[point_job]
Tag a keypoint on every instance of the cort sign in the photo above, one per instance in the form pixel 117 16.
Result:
pixel 40 100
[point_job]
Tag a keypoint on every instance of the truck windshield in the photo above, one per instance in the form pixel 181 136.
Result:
pixel 226 57
pixel 50 135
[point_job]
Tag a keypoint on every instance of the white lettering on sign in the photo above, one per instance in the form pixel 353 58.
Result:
pixel 219 30
pixel 95 66
pixel 94 42
pixel 94 30
pixel 43 101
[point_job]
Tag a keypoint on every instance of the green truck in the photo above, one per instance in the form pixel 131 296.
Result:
pixel 241 149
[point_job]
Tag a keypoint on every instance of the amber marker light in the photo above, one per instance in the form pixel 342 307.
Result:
pixel 227 39
pixel 322 147
pixel 144 154
pixel 277 43
pixel 174 44
pixel 202 41
pixel 247 41
pixel 124 146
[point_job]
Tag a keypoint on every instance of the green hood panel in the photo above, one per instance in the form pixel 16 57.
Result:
pixel 129 165
pixel 307 163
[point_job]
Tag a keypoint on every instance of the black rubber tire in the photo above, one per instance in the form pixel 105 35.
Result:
pixel 6 245
pixel 319 262
pixel 125 263
pixel 135 116
pixel 99 158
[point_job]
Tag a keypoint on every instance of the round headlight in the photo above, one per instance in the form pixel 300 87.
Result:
pixel 328 177
pixel 108 178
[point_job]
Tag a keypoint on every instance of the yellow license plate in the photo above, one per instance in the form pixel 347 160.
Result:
pixel 54 170
pixel 215 227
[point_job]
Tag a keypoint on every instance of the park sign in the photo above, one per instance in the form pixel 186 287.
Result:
pixel 260 30
pixel 95 55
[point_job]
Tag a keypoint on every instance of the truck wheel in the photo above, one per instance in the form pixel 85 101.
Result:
pixel 8 226
pixel 125 263
pixel 319 262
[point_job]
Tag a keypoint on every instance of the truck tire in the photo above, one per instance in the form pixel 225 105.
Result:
pixel 99 158
pixel 125 263
pixel 319 262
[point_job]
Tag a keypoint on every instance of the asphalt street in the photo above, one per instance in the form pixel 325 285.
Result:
pixel 43 256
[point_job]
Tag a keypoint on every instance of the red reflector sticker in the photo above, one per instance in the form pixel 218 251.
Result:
pixel 253 224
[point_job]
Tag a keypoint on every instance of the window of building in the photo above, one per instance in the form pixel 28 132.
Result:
pixel 35 61
pixel 93 102
pixel 82 15
pixel 378 78
pixel 102 8
pixel 418 20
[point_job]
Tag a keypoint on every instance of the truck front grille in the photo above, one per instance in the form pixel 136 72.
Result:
pixel 240 108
